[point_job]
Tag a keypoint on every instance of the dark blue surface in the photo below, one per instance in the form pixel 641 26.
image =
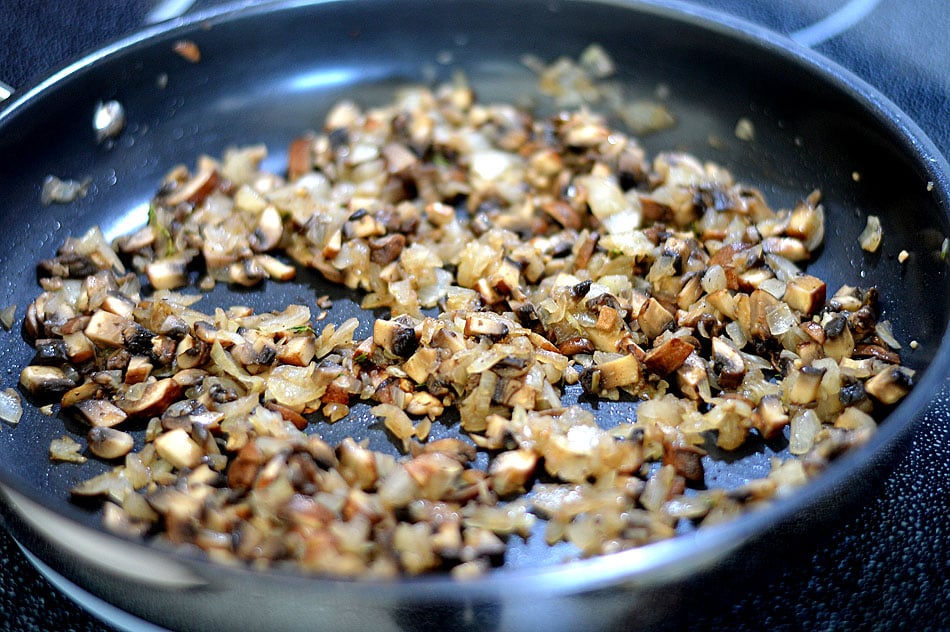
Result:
pixel 888 567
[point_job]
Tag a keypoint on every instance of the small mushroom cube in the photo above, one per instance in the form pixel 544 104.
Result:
pixel 156 397
pixel 624 371
pixel 191 352
pixel 484 325
pixel 654 318
pixel 423 403
pixel 803 385
pixel 727 364
pixel 79 348
pixel 806 222
pixel 805 293
pixel 889 385
pixel 385 250
pixel 109 443
pixel 118 304
pixel 178 448
pixel 100 413
pixel 106 329
pixel 297 350
pixel 668 357
pixel 395 337
pixel 839 342
pixel 269 230
pixel 140 367
pixel 770 416
pixel 511 470
pixel 167 273
pixel 275 268
pixel 421 364
pixel 788 247
pixel 198 187
pixel 45 381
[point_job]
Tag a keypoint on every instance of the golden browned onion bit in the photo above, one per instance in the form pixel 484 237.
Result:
pixel 556 253
pixel 188 50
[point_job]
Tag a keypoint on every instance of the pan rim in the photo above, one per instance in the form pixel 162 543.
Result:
pixel 654 560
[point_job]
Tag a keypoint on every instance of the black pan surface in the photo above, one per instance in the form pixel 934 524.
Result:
pixel 267 73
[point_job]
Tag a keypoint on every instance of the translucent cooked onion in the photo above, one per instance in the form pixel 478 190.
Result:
pixel 883 329
pixel 714 279
pixel 605 198
pixel 294 386
pixel 7 316
pixel 870 237
pixel 780 319
pixel 10 407
pixel 804 428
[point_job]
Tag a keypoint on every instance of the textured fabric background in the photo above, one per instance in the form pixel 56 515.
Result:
pixel 889 567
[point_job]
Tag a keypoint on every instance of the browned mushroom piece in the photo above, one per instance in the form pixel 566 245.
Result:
pixel 727 364
pixel 106 329
pixel 247 272
pixel 45 382
pixel 511 470
pixel 654 318
pixel 297 350
pixel 770 416
pixel 179 449
pixel 152 400
pixel 623 371
pixel 839 342
pixel 109 443
pixel 384 250
pixel 484 325
pixel 805 293
pixel 890 384
pixel 787 247
pixel 138 370
pixel 100 413
pixel 804 384
pixel 299 157
pixel 686 460
pixel 668 356
pixel 395 338
pixel 196 188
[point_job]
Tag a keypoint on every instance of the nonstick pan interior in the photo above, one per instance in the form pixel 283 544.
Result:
pixel 268 73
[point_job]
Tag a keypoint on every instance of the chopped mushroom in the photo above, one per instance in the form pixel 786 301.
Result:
pixel 805 293
pixel 890 384
pixel 44 382
pixel 100 413
pixel 520 262
pixel 668 357
pixel 179 449
pixel 109 443
pixel 727 364
pixel 168 273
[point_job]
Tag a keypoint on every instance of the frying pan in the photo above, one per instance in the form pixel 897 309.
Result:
pixel 269 72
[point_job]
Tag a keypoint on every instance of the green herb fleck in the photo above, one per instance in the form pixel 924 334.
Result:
pixel 162 230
